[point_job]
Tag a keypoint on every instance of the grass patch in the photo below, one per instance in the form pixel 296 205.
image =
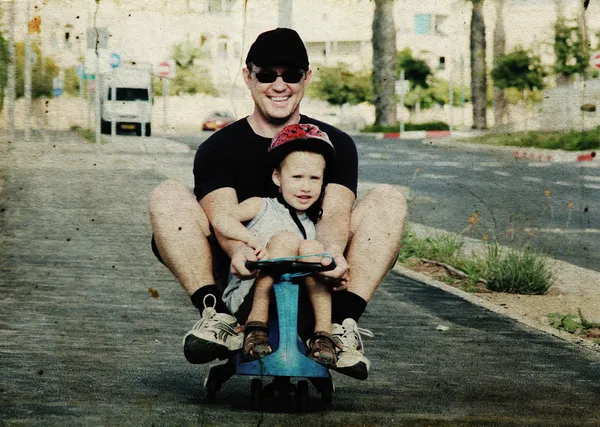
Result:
pixel 568 141
pixel 575 324
pixel 525 272
pixel 515 272
pixel 88 134
pixel 408 127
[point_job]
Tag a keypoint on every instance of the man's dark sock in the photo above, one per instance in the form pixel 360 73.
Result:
pixel 213 298
pixel 346 304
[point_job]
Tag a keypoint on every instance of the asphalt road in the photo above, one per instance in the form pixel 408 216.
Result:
pixel 554 207
pixel 84 343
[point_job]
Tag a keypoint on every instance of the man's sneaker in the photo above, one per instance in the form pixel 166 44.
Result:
pixel 215 336
pixel 351 359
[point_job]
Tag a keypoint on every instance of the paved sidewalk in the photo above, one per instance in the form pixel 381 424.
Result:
pixel 84 342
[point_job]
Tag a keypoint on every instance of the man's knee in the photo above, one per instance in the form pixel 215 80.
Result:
pixel 170 189
pixel 389 197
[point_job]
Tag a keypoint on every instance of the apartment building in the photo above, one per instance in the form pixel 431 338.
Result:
pixel 334 30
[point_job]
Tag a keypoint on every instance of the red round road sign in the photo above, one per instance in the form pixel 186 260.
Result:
pixel 595 60
pixel 164 69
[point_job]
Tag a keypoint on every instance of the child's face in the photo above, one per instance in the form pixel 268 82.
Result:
pixel 300 179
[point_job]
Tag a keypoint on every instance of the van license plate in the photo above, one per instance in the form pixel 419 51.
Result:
pixel 128 126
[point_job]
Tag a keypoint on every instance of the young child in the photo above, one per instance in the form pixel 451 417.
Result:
pixel 299 154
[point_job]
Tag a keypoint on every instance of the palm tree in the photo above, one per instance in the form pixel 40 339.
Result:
pixel 478 66
pixel 384 63
pixel 499 50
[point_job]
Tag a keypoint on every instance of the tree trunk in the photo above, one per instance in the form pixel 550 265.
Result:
pixel 561 79
pixel 478 66
pixel 499 50
pixel 384 63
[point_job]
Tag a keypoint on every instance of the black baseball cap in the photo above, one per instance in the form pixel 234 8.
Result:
pixel 281 46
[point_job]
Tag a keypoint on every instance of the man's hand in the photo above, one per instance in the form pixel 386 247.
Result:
pixel 239 257
pixel 338 277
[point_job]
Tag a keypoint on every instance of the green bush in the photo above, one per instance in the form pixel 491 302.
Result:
pixel 569 141
pixel 516 272
pixel 408 127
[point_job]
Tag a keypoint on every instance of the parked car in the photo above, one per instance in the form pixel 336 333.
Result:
pixel 218 120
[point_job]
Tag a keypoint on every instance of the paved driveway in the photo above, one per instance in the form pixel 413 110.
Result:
pixel 83 343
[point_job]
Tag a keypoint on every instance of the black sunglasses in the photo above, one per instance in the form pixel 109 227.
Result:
pixel 271 76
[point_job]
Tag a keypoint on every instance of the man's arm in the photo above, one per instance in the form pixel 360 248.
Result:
pixel 333 229
pixel 225 200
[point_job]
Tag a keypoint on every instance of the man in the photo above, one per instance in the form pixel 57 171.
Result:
pixel 230 167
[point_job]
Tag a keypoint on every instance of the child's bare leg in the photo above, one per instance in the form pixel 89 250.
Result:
pixel 323 349
pixel 256 342
pixel 318 292
pixel 282 244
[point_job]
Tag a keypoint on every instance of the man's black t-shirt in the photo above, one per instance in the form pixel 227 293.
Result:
pixel 236 157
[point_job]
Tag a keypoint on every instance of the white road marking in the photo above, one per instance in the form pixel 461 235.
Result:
pixel 492 164
pixel 531 179
pixel 592 186
pixel 501 173
pixel 449 164
pixel 434 176
pixel 591 178
pixel 565 184
pixel 538 165
pixel 562 231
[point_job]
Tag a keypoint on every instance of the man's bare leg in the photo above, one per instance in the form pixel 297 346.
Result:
pixel 376 228
pixel 180 230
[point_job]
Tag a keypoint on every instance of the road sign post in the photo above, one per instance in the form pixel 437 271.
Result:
pixel 595 62
pixel 402 87
pixel 166 70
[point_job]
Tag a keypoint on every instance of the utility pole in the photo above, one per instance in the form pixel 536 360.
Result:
pixel 285 13
pixel 27 112
pixel 12 71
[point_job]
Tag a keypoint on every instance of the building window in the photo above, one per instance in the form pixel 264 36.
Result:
pixel 427 24
pixel 442 64
pixel 222 48
pixel 220 6
pixel 422 24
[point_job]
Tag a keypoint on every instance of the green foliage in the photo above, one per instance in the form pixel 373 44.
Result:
pixel 338 85
pixel 569 48
pixel 192 80
pixel 519 69
pixel 443 248
pixel 569 141
pixel 572 323
pixel 408 127
pixel 72 81
pixel 3 67
pixel 415 70
pixel 190 77
pixel 525 272
pixel 41 83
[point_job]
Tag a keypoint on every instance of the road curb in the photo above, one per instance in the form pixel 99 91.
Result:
pixel 474 299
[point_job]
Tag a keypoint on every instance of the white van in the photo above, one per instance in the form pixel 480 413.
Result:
pixel 127 100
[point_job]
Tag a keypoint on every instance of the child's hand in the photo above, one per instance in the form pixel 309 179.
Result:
pixel 259 248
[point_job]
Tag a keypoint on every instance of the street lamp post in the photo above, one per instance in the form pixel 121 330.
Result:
pixel 12 71
pixel 27 88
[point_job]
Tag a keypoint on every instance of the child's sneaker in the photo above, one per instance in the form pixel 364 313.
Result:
pixel 351 360
pixel 215 336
